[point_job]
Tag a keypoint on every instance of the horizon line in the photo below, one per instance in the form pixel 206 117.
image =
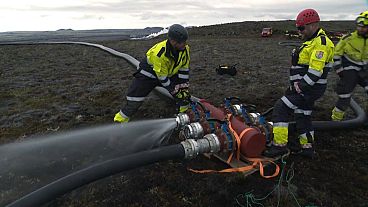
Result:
pixel 70 29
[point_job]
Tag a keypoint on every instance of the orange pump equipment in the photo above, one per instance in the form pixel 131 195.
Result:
pixel 237 129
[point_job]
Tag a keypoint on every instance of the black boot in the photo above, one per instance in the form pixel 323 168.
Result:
pixel 308 153
pixel 294 146
pixel 275 151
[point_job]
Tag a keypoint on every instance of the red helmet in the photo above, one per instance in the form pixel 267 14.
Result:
pixel 306 16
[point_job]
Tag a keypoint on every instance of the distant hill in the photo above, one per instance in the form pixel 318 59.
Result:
pixel 251 28
pixel 241 29
pixel 76 35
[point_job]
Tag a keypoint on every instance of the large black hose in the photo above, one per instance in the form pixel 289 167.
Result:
pixel 98 171
pixel 358 121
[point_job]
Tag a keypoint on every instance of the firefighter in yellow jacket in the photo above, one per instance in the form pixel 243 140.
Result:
pixel 167 65
pixel 311 63
pixel 351 64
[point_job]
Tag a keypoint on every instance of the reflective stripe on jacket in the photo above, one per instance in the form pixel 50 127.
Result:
pixel 315 59
pixel 163 62
pixel 351 52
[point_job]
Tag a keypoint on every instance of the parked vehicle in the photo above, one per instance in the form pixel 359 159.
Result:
pixel 266 32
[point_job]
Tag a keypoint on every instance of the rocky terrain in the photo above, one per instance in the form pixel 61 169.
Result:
pixel 59 87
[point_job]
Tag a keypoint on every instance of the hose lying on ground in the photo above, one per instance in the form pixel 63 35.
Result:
pixel 96 172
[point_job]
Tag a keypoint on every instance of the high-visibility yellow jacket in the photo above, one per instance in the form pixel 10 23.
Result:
pixel 312 62
pixel 351 52
pixel 163 62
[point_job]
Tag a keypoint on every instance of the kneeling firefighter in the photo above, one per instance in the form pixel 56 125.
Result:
pixel 167 65
pixel 308 80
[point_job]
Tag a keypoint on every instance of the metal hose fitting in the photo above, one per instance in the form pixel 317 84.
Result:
pixel 182 120
pixel 209 144
pixel 193 131
pixel 214 144
pixel 191 148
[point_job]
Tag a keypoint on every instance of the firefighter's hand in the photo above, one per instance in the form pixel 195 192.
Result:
pixel 179 87
pixel 182 94
pixel 296 87
pixel 339 72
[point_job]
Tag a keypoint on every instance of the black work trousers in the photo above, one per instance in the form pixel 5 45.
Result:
pixel 349 79
pixel 139 89
pixel 299 105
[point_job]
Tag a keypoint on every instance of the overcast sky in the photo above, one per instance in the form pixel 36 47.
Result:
pixel 50 15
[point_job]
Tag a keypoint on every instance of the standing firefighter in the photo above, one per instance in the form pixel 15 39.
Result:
pixel 308 80
pixel 167 65
pixel 351 64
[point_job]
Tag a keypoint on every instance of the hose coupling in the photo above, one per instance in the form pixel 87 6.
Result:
pixel 191 148
pixel 182 119
pixel 193 131
pixel 209 144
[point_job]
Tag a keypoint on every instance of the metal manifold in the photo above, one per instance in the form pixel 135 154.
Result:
pixel 225 129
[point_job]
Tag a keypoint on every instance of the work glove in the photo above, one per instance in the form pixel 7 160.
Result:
pixel 182 99
pixel 182 94
pixel 179 87
pixel 183 109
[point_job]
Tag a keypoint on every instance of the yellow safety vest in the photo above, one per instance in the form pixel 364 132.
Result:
pixel 354 48
pixel 163 61
pixel 314 60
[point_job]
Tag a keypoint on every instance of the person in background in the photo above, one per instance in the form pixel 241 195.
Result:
pixel 166 64
pixel 311 63
pixel 351 64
